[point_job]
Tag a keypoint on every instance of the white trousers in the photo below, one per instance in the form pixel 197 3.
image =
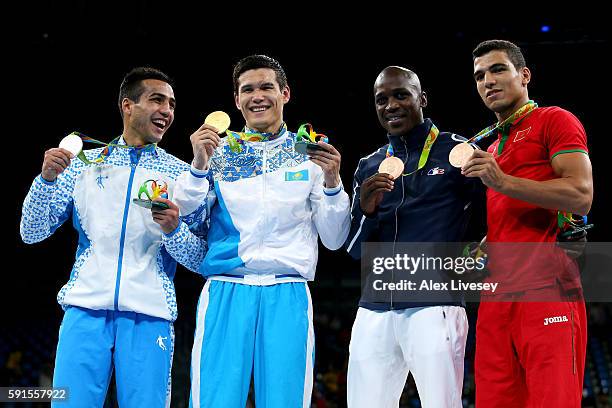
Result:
pixel 387 345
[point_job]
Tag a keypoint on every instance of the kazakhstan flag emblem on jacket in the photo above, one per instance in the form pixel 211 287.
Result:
pixel 296 175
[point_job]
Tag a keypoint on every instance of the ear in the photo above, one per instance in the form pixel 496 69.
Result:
pixel 237 101
pixel 126 106
pixel 423 99
pixel 286 94
pixel 526 76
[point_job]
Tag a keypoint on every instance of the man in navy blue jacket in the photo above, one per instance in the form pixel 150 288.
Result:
pixel 429 202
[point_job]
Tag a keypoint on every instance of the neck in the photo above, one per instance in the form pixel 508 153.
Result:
pixel 505 114
pixel 267 129
pixel 133 139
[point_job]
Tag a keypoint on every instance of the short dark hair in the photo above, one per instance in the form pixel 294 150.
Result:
pixel 131 86
pixel 256 62
pixel 512 50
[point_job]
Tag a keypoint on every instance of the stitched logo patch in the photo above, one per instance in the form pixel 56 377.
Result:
pixel 435 171
pixel 100 181
pixel 522 134
pixel 296 175
pixel 555 319
pixel 160 342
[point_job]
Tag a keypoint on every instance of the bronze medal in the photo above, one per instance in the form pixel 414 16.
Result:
pixel 460 154
pixel 392 166
pixel 219 120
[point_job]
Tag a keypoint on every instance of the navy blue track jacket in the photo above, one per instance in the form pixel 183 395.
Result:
pixel 431 205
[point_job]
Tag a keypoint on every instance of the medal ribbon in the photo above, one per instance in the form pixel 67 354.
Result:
pixel 505 125
pixel 107 149
pixel 431 138
pixel 236 139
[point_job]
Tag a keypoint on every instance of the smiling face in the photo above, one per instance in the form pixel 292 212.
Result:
pixel 261 100
pixel 399 100
pixel 146 120
pixel 501 86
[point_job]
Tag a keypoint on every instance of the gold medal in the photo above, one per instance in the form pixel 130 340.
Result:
pixel 392 166
pixel 219 120
pixel 72 143
pixel 460 154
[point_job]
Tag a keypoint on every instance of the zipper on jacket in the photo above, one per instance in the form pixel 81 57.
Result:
pixel 264 170
pixel 396 220
pixel 134 156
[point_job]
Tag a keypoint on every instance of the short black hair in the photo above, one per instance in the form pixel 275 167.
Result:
pixel 131 86
pixel 512 50
pixel 256 62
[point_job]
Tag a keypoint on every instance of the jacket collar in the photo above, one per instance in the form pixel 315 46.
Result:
pixel 414 139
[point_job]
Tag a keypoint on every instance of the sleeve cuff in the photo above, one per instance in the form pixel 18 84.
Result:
pixel 568 151
pixel 197 173
pixel 173 233
pixel 332 191
pixel 48 183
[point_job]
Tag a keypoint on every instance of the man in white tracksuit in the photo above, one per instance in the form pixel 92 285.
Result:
pixel 268 204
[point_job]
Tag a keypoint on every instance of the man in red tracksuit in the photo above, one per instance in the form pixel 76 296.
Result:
pixel 531 337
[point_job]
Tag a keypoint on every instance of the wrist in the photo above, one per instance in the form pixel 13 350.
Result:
pixel 368 214
pixel 170 230
pixel 332 182
pixel 200 164
pixel 47 178
pixel 505 184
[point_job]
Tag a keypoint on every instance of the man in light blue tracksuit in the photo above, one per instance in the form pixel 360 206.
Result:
pixel 119 302
pixel 268 204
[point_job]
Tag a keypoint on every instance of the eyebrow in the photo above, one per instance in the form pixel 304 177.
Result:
pixel 154 94
pixel 259 84
pixel 496 65
pixel 393 91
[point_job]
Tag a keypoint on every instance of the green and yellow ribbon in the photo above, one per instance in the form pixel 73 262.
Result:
pixel 429 142
pixel 108 148
pixel 505 125
pixel 236 140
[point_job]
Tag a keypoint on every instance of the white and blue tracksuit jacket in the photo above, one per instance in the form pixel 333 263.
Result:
pixel 267 206
pixel 121 262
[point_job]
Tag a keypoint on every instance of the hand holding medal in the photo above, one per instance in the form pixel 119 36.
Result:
pixel 58 159
pixel 219 120
pixel 320 152
pixel 307 138
pixel 149 191
pixel 73 143
pixel 392 166
pixel 206 139
pixel 153 195
pixel 461 153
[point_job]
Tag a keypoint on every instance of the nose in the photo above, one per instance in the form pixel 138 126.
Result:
pixel 391 105
pixel 489 79
pixel 258 96
pixel 165 109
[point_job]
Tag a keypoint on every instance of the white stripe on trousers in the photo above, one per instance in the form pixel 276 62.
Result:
pixel 308 375
pixel 196 352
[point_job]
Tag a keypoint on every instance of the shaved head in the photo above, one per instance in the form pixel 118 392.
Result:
pixel 399 100
pixel 395 71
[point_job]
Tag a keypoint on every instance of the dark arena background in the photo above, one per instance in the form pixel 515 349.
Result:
pixel 65 73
